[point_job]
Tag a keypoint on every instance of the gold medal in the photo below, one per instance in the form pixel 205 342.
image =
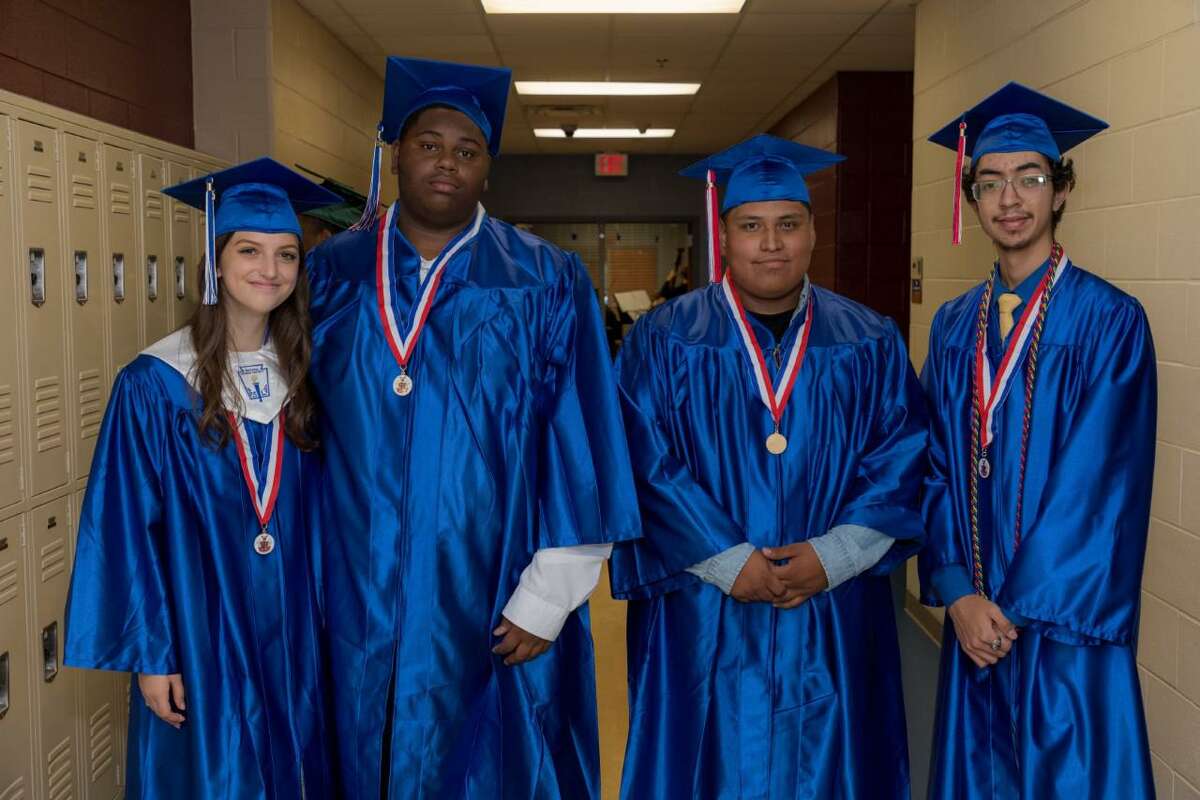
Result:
pixel 402 385
pixel 776 443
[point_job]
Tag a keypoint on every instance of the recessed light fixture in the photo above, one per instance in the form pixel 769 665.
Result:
pixel 611 88
pixel 613 6
pixel 605 133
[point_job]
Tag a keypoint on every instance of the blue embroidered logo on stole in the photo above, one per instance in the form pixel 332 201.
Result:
pixel 255 381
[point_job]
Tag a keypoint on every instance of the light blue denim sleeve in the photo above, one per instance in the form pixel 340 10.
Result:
pixel 722 569
pixel 849 550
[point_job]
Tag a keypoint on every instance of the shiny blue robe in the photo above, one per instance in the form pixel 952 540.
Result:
pixel 511 441
pixel 732 700
pixel 166 580
pixel 1061 715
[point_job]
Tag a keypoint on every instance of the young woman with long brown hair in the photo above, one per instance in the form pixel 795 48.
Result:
pixel 196 566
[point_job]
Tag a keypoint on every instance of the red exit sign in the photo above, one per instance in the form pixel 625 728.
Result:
pixel 612 164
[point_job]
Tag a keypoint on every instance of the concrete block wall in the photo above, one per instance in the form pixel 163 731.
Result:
pixel 327 100
pixel 1135 220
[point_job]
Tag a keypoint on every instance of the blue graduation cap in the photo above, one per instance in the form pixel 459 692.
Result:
pixel 261 195
pixel 414 84
pixel 763 168
pixel 1014 119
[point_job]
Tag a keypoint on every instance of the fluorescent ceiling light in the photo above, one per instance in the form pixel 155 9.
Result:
pixel 606 133
pixel 613 6
pixel 605 88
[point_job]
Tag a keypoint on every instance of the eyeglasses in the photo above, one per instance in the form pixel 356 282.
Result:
pixel 1021 183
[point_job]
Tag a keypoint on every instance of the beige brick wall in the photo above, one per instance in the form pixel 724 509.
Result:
pixel 327 100
pixel 1135 220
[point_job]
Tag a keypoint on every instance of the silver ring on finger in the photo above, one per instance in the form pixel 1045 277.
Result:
pixel 996 645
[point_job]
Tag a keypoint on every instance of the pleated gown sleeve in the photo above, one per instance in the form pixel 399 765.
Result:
pixel 682 524
pixel 119 609
pixel 1080 564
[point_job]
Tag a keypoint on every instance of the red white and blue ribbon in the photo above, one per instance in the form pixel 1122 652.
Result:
pixel 712 217
pixel 263 496
pixel 775 398
pixel 995 388
pixel 404 344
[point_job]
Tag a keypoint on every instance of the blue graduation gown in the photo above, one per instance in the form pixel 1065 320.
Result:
pixel 1061 715
pixel 511 441
pixel 167 580
pixel 732 700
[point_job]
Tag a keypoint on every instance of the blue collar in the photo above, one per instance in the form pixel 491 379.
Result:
pixel 1025 288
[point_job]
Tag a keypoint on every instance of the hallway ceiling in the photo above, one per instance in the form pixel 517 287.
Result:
pixel 755 66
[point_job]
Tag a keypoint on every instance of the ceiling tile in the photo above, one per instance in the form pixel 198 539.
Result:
pixel 802 24
pixel 439 25
pixel 683 25
pixel 546 24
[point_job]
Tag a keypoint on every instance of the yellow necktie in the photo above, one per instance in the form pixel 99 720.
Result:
pixel 1008 303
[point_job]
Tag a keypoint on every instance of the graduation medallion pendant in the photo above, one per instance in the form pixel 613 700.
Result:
pixel 985 467
pixel 776 443
pixel 264 543
pixel 402 385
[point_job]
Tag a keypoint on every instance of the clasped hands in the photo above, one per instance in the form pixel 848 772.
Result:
pixel 983 632
pixel 783 576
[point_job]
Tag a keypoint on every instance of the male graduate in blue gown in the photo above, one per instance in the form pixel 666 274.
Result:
pixel 1041 385
pixel 477 471
pixel 778 437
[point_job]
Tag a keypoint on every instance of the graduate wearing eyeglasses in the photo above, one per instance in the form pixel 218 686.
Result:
pixel 1042 389
pixel 778 438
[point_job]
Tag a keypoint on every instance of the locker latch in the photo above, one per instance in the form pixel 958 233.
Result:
pixel 50 652
pixel 152 277
pixel 118 277
pixel 3 544
pixel 81 277
pixel 37 276
pixel 180 278
pixel 4 683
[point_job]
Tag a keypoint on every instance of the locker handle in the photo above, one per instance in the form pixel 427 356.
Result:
pixel 50 652
pixel 37 276
pixel 3 544
pixel 4 682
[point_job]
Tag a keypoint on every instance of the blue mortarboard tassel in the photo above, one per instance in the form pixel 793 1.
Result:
pixel 210 245
pixel 711 218
pixel 370 207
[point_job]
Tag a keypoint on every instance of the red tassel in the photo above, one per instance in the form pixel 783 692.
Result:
pixel 956 223
pixel 712 213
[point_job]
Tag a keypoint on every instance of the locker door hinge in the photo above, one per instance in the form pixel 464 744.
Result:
pixel 22 528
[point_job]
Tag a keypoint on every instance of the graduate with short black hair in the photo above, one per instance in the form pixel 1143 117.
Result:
pixel 778 439
pixel 1042 388
pixel 477 471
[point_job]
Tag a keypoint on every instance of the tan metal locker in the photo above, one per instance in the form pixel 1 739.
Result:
pixel 99 691
pixel 183 248
pixel 12 476
pixel 157 281
pixel 120 258
pixel 41 258
pixel 16 767
pixel 85 296
pixel 49 546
